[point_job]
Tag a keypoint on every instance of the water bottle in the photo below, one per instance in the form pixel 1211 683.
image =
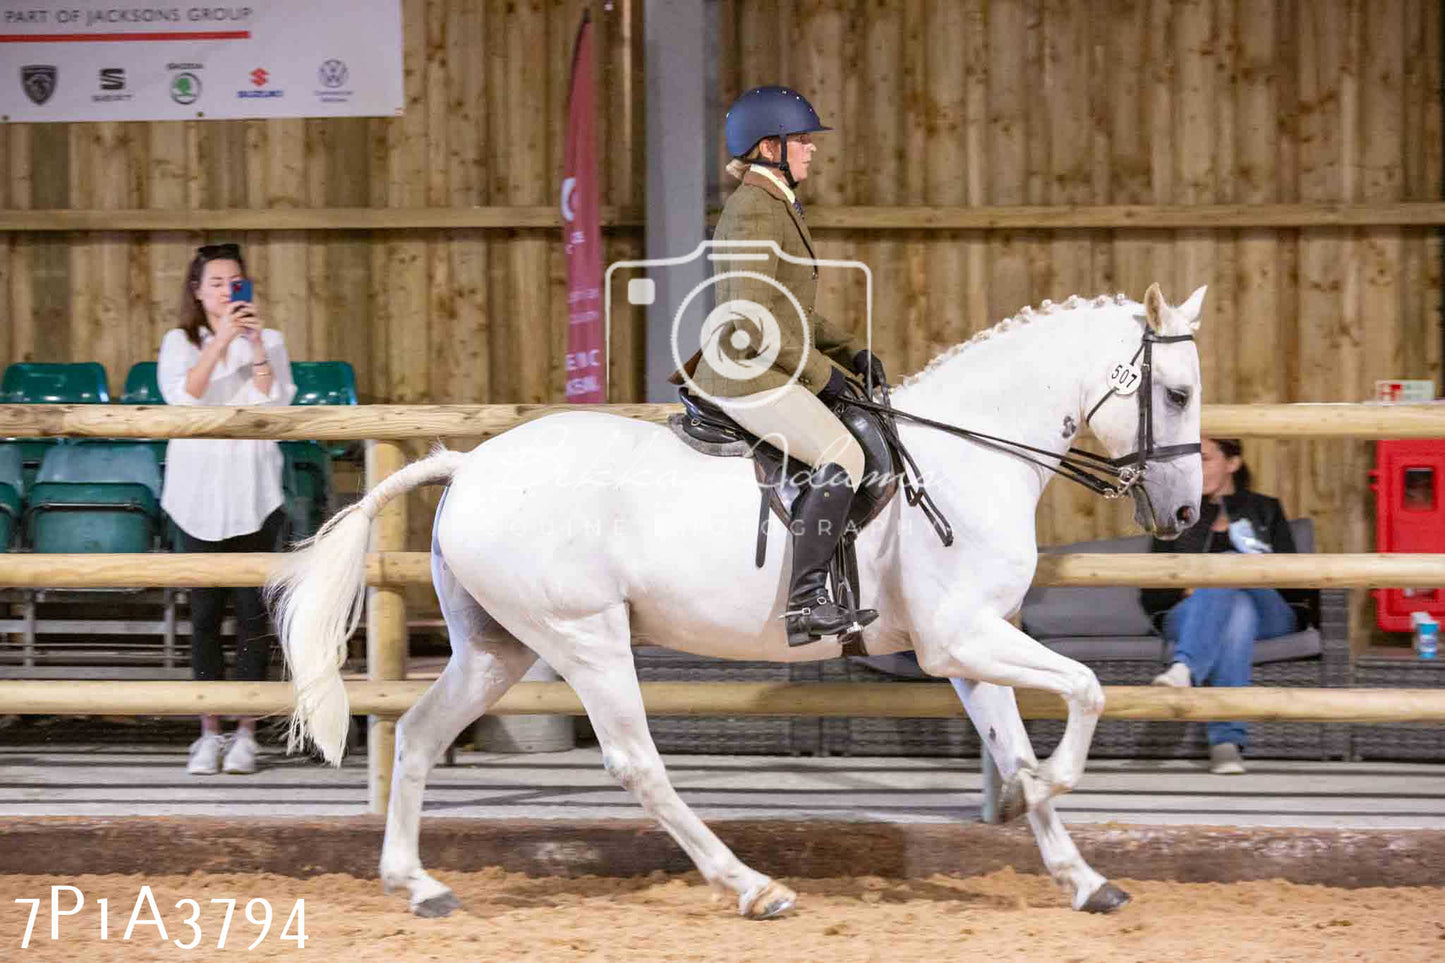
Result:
pixel 1427 635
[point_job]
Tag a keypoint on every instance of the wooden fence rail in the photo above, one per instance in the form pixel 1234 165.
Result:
pixel 824 699
pixel 939 217
pixel 401 422
pixel 176 570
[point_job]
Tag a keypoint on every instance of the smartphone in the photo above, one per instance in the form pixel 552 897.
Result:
pixel 241 290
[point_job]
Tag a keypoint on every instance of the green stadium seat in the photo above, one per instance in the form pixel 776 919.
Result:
pixel 32 453
pixel 306 481
pixel 12 486
pixel 307 477
pixel 29 383
pixel 33 383
pixel 323 383
pixel 156 446
pixel 141 386
pixel 95 498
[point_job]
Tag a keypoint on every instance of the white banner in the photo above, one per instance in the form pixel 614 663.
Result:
pixel 64 61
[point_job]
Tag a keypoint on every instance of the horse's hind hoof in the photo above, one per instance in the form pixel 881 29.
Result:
pixel 1105 899
pixel 435 907
pixel 772 901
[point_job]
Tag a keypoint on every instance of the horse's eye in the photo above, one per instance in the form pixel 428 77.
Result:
pixel 1177 397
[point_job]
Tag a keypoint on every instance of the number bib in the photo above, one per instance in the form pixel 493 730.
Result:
pixel 1124 379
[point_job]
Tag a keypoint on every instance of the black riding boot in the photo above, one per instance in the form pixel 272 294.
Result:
pixel 819 517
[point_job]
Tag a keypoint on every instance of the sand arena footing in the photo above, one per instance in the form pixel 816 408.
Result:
pixel 61 846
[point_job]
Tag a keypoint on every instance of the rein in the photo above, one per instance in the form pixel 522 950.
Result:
pixel 1110 477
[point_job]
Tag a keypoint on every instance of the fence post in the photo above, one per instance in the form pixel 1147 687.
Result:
pixel 992 784
pixel 386 640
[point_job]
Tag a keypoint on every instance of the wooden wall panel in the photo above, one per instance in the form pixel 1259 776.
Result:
pixel 1005 45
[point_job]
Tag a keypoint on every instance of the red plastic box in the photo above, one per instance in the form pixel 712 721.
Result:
pixel 1409 517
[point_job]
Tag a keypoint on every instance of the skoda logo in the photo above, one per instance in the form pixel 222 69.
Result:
pixel 185 88
pixel 332 73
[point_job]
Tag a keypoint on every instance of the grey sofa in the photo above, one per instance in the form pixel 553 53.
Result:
pixel 1107 629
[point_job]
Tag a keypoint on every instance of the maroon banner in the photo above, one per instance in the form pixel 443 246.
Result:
pixel 581 230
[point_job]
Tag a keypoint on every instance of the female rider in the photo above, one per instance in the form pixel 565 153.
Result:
pixel 761 369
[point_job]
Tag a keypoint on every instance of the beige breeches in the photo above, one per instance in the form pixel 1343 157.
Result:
pixel 796 422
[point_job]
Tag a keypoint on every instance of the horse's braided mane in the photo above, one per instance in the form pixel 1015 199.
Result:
pixel 1024 316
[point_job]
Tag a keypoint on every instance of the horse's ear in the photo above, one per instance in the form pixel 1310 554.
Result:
pixel 1154 308
pixel 1192 311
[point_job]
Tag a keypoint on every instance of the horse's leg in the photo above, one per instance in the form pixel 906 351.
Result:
pixel 987 648
pixel 597 663
pixel 485 663
pixel 995 713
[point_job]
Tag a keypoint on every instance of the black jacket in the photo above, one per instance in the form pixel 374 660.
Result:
pixel 1267 516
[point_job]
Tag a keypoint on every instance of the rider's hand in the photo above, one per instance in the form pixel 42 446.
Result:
pixel 867 364
pixel 837 384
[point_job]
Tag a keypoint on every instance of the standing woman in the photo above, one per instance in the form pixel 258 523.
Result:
pixel 1214 629
pixel 224 494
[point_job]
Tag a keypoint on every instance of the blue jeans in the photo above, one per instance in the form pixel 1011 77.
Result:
pixel 1213 631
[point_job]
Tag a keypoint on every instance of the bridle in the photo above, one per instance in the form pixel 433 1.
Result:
pixel 1109 477
pixel 1147 450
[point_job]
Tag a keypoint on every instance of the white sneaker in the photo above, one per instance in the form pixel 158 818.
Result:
pixel 241 757
pixel 1176 676
pixel 205 757
pixel 1225 760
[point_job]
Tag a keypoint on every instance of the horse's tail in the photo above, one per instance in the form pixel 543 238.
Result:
pixel 316 596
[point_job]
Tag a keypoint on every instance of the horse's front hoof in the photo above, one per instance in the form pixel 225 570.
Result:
pixel 772 901
pixel 435 907
pixel 1011 800
pixel 1105 899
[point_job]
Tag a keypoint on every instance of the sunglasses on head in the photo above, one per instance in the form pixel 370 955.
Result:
pixel 211 251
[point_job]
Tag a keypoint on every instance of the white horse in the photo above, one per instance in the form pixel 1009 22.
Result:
pixel 572 536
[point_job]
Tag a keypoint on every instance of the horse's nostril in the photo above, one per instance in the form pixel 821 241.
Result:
pixel 1186 514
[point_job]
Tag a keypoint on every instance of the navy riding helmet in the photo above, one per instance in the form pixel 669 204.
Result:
pixel 770 111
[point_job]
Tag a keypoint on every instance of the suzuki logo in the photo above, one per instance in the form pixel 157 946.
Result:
pixel 259 77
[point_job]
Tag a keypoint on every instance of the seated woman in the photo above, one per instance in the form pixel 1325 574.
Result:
pixel 1214 629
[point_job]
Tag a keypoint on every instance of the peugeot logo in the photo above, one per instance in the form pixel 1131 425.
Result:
pixel 332 73
pixel 38 80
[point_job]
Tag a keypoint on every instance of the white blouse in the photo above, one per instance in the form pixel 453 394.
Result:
pixel 217 488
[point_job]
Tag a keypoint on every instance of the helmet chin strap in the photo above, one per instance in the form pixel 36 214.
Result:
pixel 781 165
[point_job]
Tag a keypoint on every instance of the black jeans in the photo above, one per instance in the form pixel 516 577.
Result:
pixel 253 623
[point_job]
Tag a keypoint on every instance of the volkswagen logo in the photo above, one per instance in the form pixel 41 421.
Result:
pixel 332 73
